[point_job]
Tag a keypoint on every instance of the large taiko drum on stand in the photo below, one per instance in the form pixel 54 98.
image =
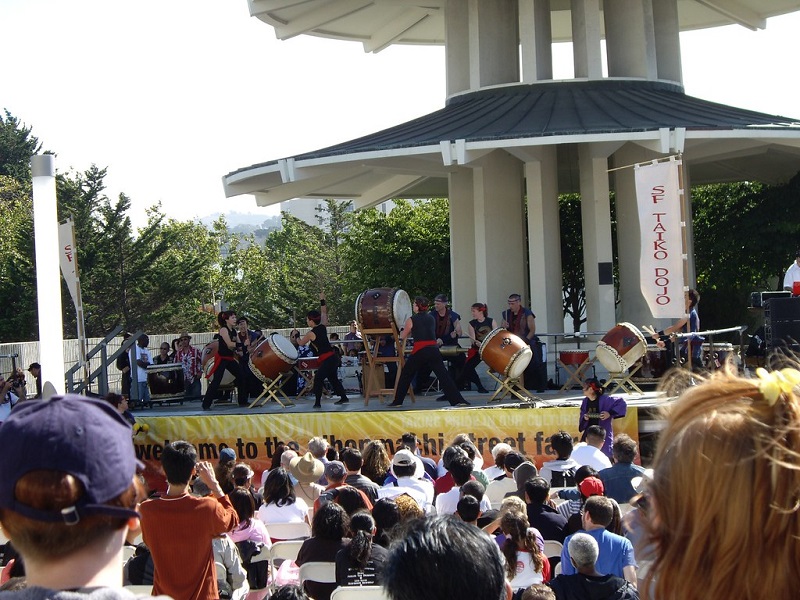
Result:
pixel 620 348
pixel 573 357
pixel 505 353
pixel 272 357
pixel 207 359
pixel 380 307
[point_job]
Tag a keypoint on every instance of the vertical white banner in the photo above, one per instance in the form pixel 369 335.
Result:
pixel 658 196
pixel 68 258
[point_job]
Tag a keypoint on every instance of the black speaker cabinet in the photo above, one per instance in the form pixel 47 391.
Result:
pixel 782 309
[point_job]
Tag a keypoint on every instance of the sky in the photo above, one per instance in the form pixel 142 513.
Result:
pixel 170 95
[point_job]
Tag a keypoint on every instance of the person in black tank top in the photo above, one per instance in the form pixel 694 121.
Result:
pixel 424 355
pixel 328 359
pixel 227 361
pixel 480 326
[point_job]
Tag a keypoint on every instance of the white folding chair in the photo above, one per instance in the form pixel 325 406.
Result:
pixel 127 552
pixel 364 592
pixel 557 570
pixel 289 531
pixel 552 548
pixel 140 590
pixel 281 551
pixel 321 572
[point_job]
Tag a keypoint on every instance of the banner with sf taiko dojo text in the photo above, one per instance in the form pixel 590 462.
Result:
pixel 659 198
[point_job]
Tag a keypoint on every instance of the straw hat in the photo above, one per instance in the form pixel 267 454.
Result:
pixel 306 468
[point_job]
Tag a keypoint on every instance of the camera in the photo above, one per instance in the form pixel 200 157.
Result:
pixel 17 380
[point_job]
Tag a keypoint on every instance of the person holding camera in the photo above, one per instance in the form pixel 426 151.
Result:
pixel 12 390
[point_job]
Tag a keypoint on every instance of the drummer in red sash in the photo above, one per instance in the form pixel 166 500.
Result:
pixel 226 360
pixel 424 354
pixel 328 359
pixel 480 326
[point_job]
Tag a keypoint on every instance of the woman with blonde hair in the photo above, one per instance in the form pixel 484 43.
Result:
pixel 726 490
pixel 376 461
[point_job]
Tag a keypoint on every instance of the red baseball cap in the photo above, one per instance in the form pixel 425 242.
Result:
pixel 591 486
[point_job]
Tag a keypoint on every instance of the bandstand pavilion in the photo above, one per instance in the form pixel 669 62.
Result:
pixel 510 139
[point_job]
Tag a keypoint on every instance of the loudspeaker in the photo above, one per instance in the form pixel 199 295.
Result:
pixel 784 333
pixel 782 309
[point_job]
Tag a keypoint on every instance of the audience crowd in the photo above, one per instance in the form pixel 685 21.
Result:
pixel 456 529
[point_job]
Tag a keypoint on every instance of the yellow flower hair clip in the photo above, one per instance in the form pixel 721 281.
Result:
pixel 772 384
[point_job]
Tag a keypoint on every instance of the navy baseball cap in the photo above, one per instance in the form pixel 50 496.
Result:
pixel 84 437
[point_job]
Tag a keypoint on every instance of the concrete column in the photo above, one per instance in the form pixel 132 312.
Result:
pixel 465 278
pixel 596 226
pixel 630 38
pixel 493 47
pixel 544 239
pixel 586 29
pixel 536 40
pixel 456 36
pixel 499 267
pixel 633 307
pixel 667 40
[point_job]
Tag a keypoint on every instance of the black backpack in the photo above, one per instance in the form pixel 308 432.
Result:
pixel 257 573
pixel 562 478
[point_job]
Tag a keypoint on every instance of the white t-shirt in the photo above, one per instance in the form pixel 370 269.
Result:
pixel 584 454
pixel 525 576
pixel 498 489
pixel 141 354
pixel 289 513
pixel 792 275
pixel 447 502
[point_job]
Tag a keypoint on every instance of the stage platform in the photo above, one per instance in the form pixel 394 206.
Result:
pixel 254 433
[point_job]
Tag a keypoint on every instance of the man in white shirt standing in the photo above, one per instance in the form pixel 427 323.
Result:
pixel 792 273
pixel 590 453
pixel 143 359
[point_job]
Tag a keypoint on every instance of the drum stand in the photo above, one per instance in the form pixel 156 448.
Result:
pixel 510 386
pixel 272 390
pixel 373 381
pixel 575 372
pixel 622 381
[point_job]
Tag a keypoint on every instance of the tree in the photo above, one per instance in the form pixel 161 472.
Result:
pixel 17 270
pixel 17 145
pixel 745 235
pixel 409 248
pixel 574 281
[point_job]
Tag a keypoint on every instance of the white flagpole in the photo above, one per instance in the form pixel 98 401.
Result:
pixel 48 283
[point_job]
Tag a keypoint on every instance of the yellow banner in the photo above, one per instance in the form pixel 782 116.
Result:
pixel 255 437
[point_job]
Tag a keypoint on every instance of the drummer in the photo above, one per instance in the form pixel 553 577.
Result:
pixel 425 354
pixel 479 327
pixel 328 368
pixel 692 319
pixel 226 361
pixel 598 408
